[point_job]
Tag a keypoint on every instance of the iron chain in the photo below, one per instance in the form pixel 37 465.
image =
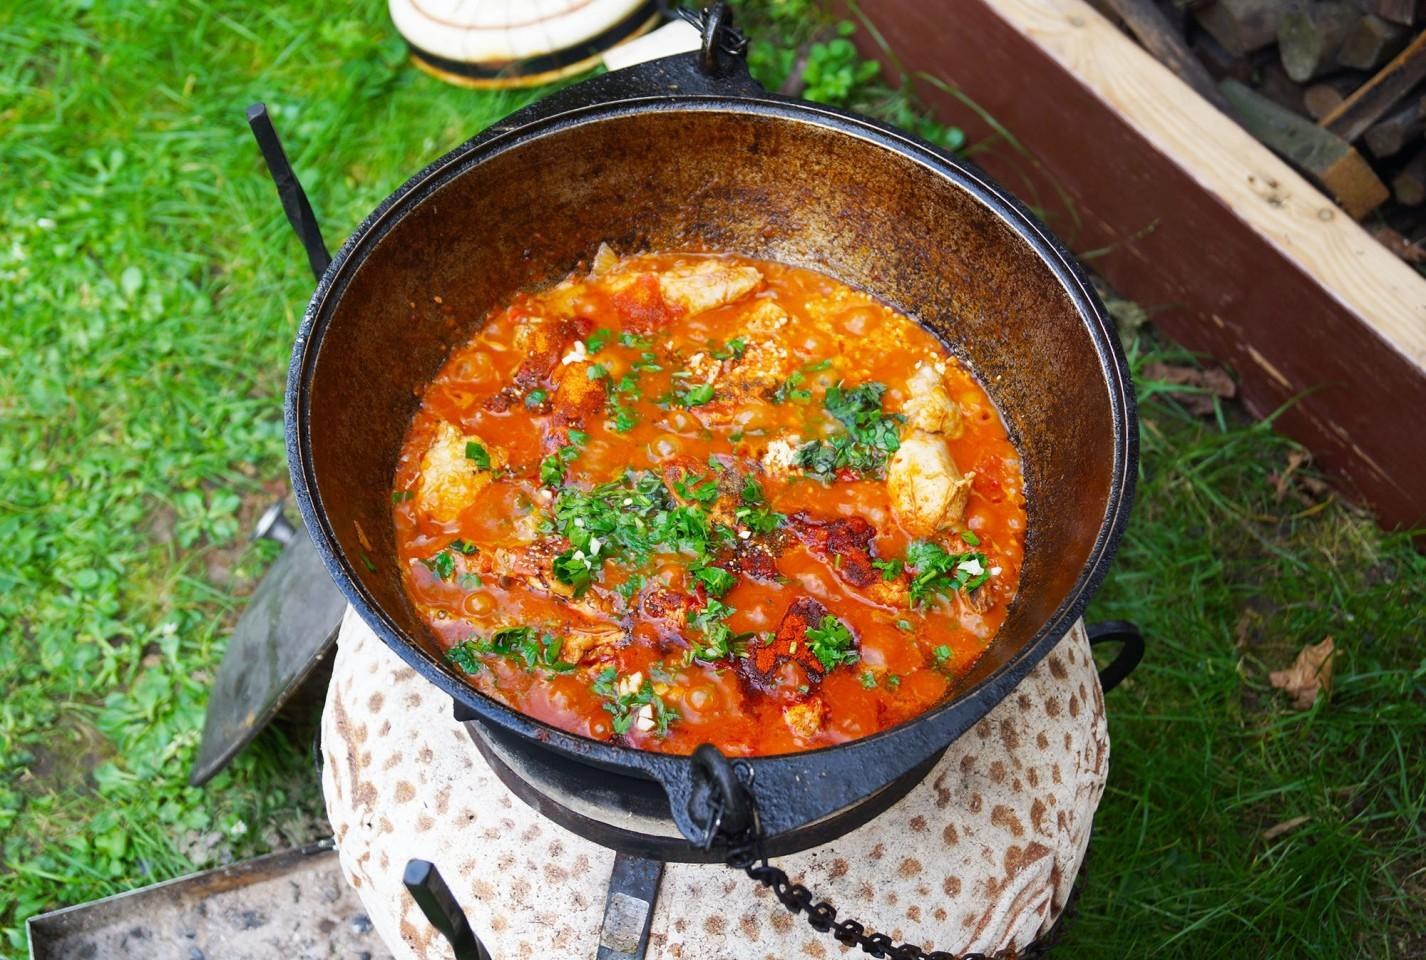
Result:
pixel 746 854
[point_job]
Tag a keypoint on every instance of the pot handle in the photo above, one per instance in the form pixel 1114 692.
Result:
pixel 1131 649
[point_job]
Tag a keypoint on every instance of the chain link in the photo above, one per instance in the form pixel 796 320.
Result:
pixel 746 854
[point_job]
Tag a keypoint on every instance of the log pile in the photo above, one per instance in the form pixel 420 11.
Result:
pixel 1336 87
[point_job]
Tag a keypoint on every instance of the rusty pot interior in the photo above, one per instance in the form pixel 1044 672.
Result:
pixel 938 244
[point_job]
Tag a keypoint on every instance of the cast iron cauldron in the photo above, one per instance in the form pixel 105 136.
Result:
pixel 680 153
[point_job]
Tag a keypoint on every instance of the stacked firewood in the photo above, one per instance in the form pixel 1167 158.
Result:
pixel 1334 86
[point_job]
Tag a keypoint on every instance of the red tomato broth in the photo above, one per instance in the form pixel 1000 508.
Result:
pixel 898 674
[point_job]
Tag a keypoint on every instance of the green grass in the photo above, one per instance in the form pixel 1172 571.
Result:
pixel 150 290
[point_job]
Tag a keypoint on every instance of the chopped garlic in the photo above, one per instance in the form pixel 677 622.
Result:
pixel 577 354
pixel 628 686
pixel 971 566
pixel 644 719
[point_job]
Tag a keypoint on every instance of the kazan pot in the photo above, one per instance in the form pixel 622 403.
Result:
pixel 682 153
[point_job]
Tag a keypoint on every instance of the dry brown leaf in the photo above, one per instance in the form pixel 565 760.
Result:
pixel 1278 829
pixel 1209 382
pixel 1310 672
pixel 1304 486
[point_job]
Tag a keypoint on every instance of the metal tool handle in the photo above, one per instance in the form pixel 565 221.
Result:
pixel 428 888
pixel 289 190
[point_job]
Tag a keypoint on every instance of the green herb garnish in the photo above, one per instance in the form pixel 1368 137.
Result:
pixel 831 642
pixel 477 455
pixel 736 348
pixel 597 340
pixel 937 571
pixel 624 705
pixel 442 564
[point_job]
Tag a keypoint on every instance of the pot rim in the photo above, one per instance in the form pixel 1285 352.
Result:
pixel 511 134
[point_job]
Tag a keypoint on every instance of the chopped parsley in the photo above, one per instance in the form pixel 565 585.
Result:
pixel 536 397
pixel 717 638
pixel 525 645
pixel 634 341
pixel 754 515
pixel 892 681
pixel 469 581
pixel 904 626
pixel 890 569
pixel 790 389
pixel 831 642
pixel 401 496
pixel 464 546
pixel 870 435
pixel 735 349
pixel 941 655
pixel 647 363
pixel 596 371
pixel 970 538
pixel 477 455
pixel 626 519
pixel 624 704
pixel 442 564
pixel 937 571
pixel 694 396
pixel 554 467
pixel 716 580
pixel 868 679
pixel 598 340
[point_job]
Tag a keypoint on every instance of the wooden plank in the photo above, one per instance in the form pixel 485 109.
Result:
pixel 1321 154
pixel 1237 255
pixel 1375 97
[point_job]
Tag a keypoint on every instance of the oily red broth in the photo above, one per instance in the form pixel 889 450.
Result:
pixel 689 498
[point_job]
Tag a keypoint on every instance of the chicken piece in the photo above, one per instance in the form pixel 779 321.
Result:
pixel 533 566
pixel 580 641
pixel 578 399
pixel 765 362
pixel 845 544
pixel 705 284
pixel 780 457
pixel 543 342
pixel 450 480
pixel 928 406
pixel 668 609
pixel 804 718
pixel 928 493
pixel 705 367
pixel 789 645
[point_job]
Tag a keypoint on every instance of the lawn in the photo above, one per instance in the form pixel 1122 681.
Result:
pixel 150 291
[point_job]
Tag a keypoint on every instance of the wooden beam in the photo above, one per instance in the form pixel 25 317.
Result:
pixel 1237 255
pixel 1375 97
pixel 1325 157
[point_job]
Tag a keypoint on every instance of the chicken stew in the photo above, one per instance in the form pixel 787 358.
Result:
pixel 688 498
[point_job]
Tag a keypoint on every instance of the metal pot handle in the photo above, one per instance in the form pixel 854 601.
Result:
pixel 1131 649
